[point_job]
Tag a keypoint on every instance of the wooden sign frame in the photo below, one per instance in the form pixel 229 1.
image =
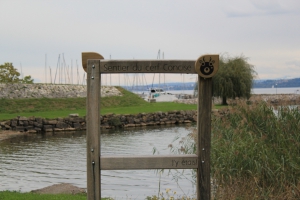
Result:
pixel 95 65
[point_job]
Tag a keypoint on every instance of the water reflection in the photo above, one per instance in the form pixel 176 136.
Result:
pixel 36 161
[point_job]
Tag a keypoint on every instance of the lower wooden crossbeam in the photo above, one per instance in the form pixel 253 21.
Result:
pixel 189 161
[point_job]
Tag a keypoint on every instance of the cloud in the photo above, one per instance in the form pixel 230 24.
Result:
pixel 295 63
pixel 262 8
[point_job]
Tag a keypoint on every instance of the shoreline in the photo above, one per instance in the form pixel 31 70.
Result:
pixel 275 99
pixel 8 134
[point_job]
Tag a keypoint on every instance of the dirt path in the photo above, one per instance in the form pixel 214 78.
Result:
pixel 63 188
pixel 4 135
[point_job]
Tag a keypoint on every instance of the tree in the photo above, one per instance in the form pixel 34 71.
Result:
pixel 9 74
pixel 234 78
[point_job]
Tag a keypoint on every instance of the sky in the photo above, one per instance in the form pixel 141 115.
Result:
pixel 39 36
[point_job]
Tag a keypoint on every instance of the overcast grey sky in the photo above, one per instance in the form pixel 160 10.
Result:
pixel 265 31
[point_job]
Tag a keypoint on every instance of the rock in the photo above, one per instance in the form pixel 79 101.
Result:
pixel 74 115
pixel 62 125
pixel 7 127
pixel 23 119
pixel 39 90
pixel 76 125
pixel 109 121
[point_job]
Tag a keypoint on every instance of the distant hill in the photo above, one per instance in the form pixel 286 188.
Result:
pixel 281 83
pixel 165 86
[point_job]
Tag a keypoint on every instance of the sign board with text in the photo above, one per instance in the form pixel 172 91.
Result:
pixel 94 64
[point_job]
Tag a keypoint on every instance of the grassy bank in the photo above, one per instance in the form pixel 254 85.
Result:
pixel 7 195
pixel 129 103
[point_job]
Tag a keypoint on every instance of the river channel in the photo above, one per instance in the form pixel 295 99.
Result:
pixel 36 161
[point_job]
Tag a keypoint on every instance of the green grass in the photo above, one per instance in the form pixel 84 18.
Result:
pixel 12 106
pixel 148 108
pixel 129 103
pixel 7 195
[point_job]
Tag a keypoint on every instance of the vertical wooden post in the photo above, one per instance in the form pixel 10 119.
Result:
pixel 93 130
pixel 204 137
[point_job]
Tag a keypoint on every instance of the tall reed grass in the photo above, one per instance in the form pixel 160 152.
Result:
pixel 256 152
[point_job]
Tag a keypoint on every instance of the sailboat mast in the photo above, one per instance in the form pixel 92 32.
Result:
pixel 45 68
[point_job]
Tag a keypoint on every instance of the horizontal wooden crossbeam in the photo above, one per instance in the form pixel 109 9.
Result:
pixel 189 161
pixel 147 66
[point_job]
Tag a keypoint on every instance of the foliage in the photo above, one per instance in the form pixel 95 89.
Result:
pixel 9 74
pixel 258 143
pixel 234 78
pixel 168 195
pixel 27 80
pixel 255 152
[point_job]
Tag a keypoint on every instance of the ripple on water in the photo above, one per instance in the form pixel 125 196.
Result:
pixel 43 160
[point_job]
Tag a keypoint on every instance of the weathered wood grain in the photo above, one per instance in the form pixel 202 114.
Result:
pixel 85 56
pixel 149 162
pixel 204 137
pixel 147 66
pixel 93 130
pixel 200 161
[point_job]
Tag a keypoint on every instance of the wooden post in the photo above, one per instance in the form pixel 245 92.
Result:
pixel 206 67
pixel 204 137
pixel 93 130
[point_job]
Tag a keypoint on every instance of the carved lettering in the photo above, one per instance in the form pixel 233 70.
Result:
pixel 188 162
pixel 152 68
pixel 184 162
pixel 137 68
pixel 146 66
pixel 175 163
pixel 115 68
pixel 167 67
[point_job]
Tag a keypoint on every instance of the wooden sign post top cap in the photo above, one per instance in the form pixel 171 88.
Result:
pixel 89 55
pixel 207 65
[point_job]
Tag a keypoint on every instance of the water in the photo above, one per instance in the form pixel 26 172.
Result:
pixel 293 90
pixel 37 161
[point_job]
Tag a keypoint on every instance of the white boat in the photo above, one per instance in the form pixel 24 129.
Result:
pixel 159 95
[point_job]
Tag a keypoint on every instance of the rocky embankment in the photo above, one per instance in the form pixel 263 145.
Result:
pixel 74 122
pixel 22 91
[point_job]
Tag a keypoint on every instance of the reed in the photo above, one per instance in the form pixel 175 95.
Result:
pixel 256 151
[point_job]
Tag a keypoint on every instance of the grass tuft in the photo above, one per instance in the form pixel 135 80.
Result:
pixel 13 195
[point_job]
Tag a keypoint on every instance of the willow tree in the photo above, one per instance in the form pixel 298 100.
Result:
pixel 234 78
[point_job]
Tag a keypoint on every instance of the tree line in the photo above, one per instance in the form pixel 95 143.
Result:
pixel 9 74
pixel 279 83
pixel 234 78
